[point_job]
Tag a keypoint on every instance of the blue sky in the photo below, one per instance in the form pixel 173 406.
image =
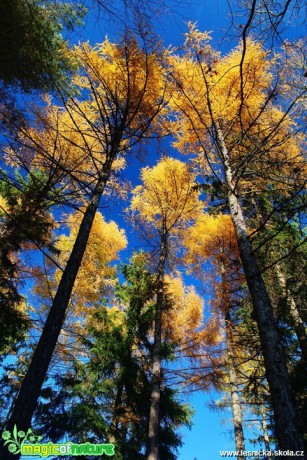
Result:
pixel 211 431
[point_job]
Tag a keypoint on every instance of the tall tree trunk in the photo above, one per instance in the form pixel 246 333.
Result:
pixel 154 418
pixel 29 392
pixel 265 428
pixel 115 417
pixel 285 414
pixel 297 321
pixel 295 316
pixel 234 391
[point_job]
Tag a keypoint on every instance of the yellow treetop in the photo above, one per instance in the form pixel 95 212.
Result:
pixel 209 87
pixel 167 196
pixel 66 142
pixel 233 95
pixel 127 77
pixel 115 99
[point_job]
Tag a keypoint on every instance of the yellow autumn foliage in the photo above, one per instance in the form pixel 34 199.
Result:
pixel 128 78
pixel 210 87
pixel 115 98
pixel 233 94
pixel 96 275
pixel 68 143
pixel 167 196
pixel 211 237
pixel 4 206
pixel 183 320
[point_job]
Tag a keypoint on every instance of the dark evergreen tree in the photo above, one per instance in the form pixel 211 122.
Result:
pixel 33 53
pixel 25 223
pixel 106 396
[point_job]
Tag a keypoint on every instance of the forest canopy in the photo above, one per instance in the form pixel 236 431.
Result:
pixel 152 228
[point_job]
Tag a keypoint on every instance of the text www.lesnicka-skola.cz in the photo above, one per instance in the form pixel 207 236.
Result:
pixel 262 453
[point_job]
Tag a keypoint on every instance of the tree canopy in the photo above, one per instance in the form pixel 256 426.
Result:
pixel 152 229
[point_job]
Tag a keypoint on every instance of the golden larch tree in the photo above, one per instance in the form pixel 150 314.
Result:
pixel 224 113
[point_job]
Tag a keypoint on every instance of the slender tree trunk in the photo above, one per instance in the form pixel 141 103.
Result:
pixel 234 392
pixel 297 321
pixel 28 395
pixel 115 418
pixel 285 414
pixel 265 428
pixel 154 418
pixel 295 316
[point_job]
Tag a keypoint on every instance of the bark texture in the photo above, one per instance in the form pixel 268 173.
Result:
pixel 297 321
pixel 154 418
pixel 285 413
pixel 265 428
pixel 32 383
pixel 234 392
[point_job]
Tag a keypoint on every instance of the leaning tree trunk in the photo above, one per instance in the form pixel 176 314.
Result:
pixel 234 392
pixel 29 392
pixel 154 417
pixel 285 414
